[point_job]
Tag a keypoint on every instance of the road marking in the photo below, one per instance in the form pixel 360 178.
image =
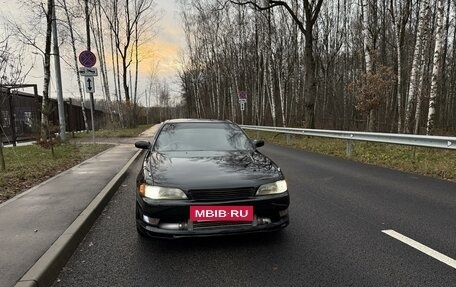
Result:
pixel 423 248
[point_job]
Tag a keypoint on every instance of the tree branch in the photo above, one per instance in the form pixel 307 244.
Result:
pixel 272 5
pixel 316 11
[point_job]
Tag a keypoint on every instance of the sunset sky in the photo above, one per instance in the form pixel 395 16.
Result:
pixel 170 39
pixel 164 49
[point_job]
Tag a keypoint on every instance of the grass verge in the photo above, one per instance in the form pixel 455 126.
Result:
pixel 438 163
pixel 118 132
pixel 27 166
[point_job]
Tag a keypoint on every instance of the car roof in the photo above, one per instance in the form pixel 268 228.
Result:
pixel 173 121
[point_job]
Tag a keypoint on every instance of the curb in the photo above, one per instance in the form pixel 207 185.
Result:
pixel 47 268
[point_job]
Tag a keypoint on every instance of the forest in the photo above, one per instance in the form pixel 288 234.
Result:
pixel 374 65
pixel 370 65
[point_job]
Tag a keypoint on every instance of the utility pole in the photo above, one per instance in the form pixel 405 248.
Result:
pixel 58 76
pixel 92 104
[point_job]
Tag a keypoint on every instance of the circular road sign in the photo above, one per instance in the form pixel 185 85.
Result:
pixel 242 95
pixel 87 59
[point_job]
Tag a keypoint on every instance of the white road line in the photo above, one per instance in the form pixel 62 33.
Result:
pixel 423 248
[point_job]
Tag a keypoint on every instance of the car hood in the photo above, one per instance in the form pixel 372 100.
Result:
pixel 206 170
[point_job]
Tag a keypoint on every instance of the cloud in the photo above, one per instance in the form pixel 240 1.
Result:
pixel 160 57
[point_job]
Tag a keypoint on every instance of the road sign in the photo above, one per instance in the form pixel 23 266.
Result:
pixel 242 96
pixel 89 85
pixel 87 59
pixel 88 72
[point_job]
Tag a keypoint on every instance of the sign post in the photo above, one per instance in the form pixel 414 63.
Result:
pixel 242 102
pixel 88 59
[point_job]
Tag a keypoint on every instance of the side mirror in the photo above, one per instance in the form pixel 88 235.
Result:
pixel 142 144
pixel 258 143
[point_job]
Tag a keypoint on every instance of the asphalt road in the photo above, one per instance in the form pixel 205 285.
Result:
pixel 338 211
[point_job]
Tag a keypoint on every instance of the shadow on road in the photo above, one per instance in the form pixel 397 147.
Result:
pixel 192 245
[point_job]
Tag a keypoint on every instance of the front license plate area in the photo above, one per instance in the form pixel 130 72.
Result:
pixel 221 213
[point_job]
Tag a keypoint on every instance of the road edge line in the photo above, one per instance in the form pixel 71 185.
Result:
pixel 47 268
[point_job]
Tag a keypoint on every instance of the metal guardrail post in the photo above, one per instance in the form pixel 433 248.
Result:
pixel 349 148
pixel 257 134
pixel 288 139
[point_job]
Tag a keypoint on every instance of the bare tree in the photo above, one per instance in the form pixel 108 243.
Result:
pixel 30 37
pixel 97 31
pixel 12 63
pixel 399 14
pixel 435 66
pixel 366 39
pixel 129 13
pixel 12 72
pixel 45 109
pixel 234 47
pixel 306 26
pixel 417 62
pixel 369 50
pixel 75 58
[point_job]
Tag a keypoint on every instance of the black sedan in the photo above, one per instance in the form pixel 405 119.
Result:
pixel 206 177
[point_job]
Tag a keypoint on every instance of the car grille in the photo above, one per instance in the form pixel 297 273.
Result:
pixel 220 224
pixel 221 194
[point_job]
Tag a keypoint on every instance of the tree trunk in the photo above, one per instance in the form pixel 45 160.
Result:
pixel 125 77
pixel 435 67
pixel 419 95
pixel 114 70
pixel 397 19
pixel 76 65
pixel 98 28
pixel 282 101
pixel 445 98
pixel 310 86
pixel 417 60
pixel 136 45
pixel 45 110
pixel 366 42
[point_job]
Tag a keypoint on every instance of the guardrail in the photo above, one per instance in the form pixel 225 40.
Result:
pixel 350 136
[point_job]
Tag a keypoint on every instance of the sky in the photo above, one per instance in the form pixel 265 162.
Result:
pixel 165 49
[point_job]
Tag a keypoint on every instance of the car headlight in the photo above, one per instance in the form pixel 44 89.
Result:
pixel 272 188
pixel 159 192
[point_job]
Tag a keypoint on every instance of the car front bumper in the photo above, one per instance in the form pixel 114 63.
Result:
pixel 170 218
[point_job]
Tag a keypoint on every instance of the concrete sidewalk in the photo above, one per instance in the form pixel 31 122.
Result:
pixel 31 222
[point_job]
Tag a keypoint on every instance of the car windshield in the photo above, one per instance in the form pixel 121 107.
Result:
pixel 201 137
